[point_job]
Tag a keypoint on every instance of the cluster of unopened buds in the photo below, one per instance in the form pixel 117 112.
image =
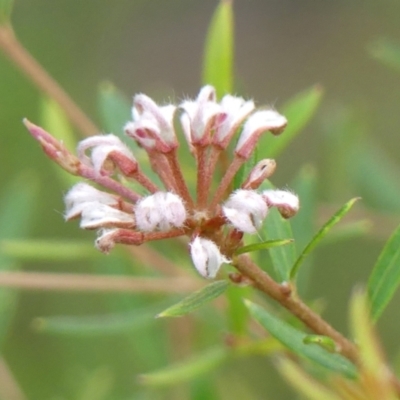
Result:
pixel 134 208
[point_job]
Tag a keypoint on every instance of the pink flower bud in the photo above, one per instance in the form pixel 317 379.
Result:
pixel 256 124
pixel 206 257
pixel 234 111
pixel 152 125
pixel 107 150
pixel 245 210
pixel 96 215
pixel 80 195
pixel 286 202
pixel 199 116
pixel 262 170
pixel 160 211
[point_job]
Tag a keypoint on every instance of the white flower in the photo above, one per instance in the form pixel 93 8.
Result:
pixel 199 114
pixel 256 124
pixel 234 110
pixel 286 202
pixel 206 257
pixel 80 195
pixel 96 215
pixel 152 125
pixel 160 211
pixel 102 146
pixel 245 210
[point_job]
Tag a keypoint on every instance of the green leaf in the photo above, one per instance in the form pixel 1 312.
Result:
pixel 268 244
pixel 349 231
pixel 16 212
pixel 186 370
pixel 218 54
pixel 385 276
pixel 298 111
pixel 387 52
pixel 54 120
pixel 321 234
pixel 237 314
pixel 115 109
pixel 294 340
pixel 96 325
pixel 6 7
pixel 196 299
pixel 47 250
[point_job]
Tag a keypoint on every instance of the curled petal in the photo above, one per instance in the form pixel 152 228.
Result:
pixel 245 210
pixel 96 215
pixel 235 111
pixel 152 125
pixel 286 202
pixel 80 194
pixel 261 171
pixel 160 211
pixel 108 238
pixel 199 116
pixel 103 147
pixel 256 124
pixel 206 257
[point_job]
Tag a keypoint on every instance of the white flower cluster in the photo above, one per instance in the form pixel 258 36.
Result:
pixel 124 216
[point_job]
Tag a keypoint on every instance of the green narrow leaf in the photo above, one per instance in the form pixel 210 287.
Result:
pixel 54 120
pixel 349 231
pixel 16 212
pixel 294 340
pixel 196 299
pixel 277 228
pixel 298 111
pixel 96 325
pixel 321 234
pixel 385 276
pixel 47 250
pixel 268 244
pixel 237 313
pixel 6 7
pixel 387 52
pixel 186 370
pixel 115 109
pixel 218 54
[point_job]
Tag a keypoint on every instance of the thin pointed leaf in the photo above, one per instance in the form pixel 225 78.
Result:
pixel 385 277
pixel 349 231
pixel 196 299
pixel 387 52
pixel 321 234
pixel 294 340
pixel 186 370
pixel 218 54
pixel 268 244
pixel 115 109
pixel 96 325
pixel 298 111
pixel 303 383
pixel 47 250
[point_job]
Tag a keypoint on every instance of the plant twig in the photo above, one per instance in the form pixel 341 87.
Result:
pixel 96 283
pixel 9 388
pixel 39 76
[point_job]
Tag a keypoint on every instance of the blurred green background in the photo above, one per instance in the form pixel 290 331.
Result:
pixel 154 47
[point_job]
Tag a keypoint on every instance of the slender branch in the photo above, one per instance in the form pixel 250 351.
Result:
pixel 9 388
pixel 203 171
pixel 39 76
pixel 283 295
pixel 96 283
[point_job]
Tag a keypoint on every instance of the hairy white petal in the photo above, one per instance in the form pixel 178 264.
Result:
pixel 96 215
pixel 81 194
pixel 206 257
pixel 160 211
pixel 245 210
pixel 286 202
